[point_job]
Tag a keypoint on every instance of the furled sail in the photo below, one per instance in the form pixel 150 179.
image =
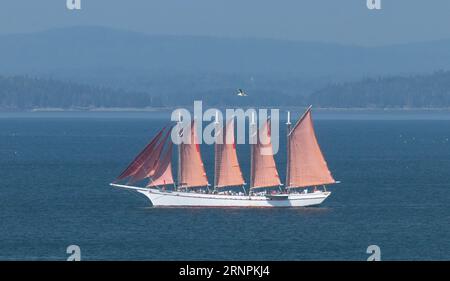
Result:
pixel 137 163
pixel 306 164
pixel 163 171
pixel 149 167
pixel 227 169
pixel 191 170
pixel 263 168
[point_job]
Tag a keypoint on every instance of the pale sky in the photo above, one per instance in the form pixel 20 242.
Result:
pixel 338 21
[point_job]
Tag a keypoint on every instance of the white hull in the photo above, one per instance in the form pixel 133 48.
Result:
pixel 192 199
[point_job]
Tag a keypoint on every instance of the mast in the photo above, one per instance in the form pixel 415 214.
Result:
pixel 179 154
pixel 252 148
pixel 288 147
pixel 216 134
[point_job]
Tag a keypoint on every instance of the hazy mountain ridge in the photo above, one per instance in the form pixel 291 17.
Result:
pixel 93 47
pixel 162 70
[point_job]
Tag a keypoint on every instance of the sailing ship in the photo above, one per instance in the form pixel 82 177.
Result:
pixel 307 173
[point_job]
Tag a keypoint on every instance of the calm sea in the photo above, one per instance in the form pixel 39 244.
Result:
pixel 54 192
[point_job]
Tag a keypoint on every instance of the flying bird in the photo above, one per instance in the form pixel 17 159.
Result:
pixel 241 93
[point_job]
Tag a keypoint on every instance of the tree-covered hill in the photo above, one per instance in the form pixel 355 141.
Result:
pixel 25 93
pixel 418 91
pixel 20 92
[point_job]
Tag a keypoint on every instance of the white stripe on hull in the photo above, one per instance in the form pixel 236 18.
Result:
pixel 192 199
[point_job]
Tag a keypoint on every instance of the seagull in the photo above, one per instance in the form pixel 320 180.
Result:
pixel 241 93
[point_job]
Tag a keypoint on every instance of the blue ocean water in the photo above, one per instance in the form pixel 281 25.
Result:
pixel 54 192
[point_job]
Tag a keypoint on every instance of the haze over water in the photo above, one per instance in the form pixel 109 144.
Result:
pixel 55 169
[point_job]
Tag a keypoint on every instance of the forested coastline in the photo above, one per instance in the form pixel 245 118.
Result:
pixel 417 91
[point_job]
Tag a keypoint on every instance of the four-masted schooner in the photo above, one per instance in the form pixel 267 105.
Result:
pixel 305 168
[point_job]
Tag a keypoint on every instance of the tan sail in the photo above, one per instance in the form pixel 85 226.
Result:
pixel 149 167
pixel 191 170
pixel 142 157
pixel 263 168
pixel 163 171
pixel 227 169
pixel 306 163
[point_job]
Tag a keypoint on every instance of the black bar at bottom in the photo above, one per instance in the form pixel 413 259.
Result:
pixel 225 270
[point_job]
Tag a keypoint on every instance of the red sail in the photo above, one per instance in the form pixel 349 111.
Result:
pixel 227 170
pixel 137 163
pixel 163 171
pixel 150 164
pixel 191 170
pixel 264 171
pixel 306 165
